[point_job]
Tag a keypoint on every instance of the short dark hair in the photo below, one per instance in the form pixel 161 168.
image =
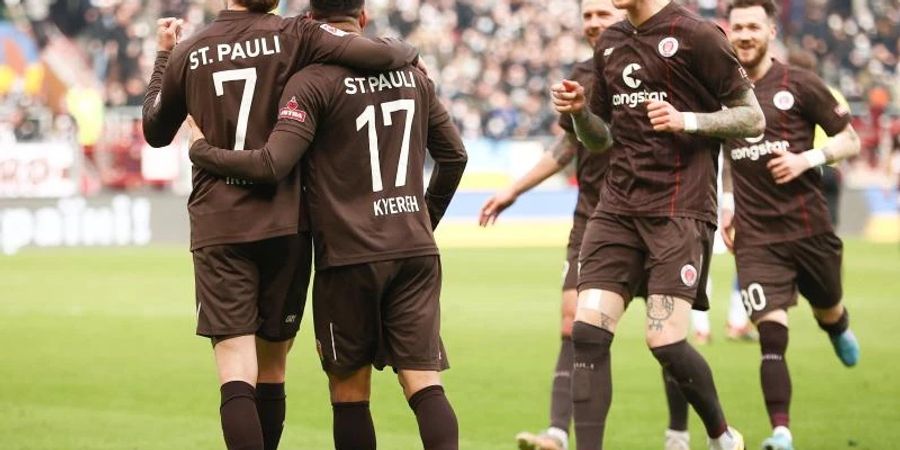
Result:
pixel 768 5
pixel 259 6
pixel 323 9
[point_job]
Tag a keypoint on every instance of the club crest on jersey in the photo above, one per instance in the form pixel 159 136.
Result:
pixel 783 100
pixel 689 275
pixel 292 111
pixel 333 30
pixel 668 47
pixel 627 77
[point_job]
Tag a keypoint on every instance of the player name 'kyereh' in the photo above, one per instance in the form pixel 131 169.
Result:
pixel 396 205
pixel 251 48
pixel 376 83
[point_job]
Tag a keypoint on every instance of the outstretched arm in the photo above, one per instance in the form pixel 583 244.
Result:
pixel 558 156
pixel 266 165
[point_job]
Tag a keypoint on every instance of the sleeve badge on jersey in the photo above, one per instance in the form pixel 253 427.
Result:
pixel 668 47
pixel 783 100
pixel 333 30
pixel 292 111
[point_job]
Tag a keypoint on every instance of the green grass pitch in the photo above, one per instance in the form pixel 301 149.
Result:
pixel 97 352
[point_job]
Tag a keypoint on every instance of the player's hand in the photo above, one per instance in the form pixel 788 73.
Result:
pixel 496 205
pixel 168 30
pixel 196 132
pixel 664 117
pixel 787 166
pixel 726 227
pixel 568 97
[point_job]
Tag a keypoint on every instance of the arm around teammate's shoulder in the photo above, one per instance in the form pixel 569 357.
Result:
pixel 323 43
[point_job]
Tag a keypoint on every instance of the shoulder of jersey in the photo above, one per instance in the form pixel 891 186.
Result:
pixel 186 45
pixel 801 74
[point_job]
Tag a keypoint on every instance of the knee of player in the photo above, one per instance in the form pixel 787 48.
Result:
pixel 414 381
pixel 355 387
pixel 587 336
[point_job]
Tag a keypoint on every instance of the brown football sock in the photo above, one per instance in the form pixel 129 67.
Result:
pixel 773 372
pixel 678 405
pixel 591 383
pixel 270 404
pixel 561 395
pixel 240 422
pixel 692 373
pixel 353 428
pixel 437 421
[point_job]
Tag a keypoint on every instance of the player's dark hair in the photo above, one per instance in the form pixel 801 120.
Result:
pixel 259 6
pixel 324 9
pixel 768 5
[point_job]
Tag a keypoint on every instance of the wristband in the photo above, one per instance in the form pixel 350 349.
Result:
pixel 727 201
pixel 690 122
pixel 815 157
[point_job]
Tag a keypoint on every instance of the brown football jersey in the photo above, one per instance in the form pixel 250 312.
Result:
pixel 229 77
pixel 794 101
pixel 674 56
pixel 589 166
pixel 364 136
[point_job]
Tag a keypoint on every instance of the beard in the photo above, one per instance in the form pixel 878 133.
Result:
pixel 757 57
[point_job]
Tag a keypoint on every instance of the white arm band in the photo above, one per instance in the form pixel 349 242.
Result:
pixel 690 122
pixel 815 157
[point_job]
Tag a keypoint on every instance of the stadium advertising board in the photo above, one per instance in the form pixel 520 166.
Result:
pixel 43 169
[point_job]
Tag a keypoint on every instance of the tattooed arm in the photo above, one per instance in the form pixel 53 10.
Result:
pixel 558 156
pixel 592 131
pixel 568 97
pixel 742 118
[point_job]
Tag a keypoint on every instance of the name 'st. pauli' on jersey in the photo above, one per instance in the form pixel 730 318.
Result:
pixel 251 48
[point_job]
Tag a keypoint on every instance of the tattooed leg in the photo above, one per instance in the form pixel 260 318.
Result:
pixel 668 319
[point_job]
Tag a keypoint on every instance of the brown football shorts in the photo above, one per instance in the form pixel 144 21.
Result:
pixel 770 275
pixel 383 313
pixel 253 288
pixel 635 256
pixel 570 267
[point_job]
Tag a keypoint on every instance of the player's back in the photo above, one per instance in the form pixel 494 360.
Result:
pixel 232 75
pixel 364 172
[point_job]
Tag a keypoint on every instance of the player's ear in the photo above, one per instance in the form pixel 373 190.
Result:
pixel 363 19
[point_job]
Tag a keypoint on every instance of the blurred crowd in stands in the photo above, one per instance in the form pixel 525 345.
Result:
pixel 491 59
